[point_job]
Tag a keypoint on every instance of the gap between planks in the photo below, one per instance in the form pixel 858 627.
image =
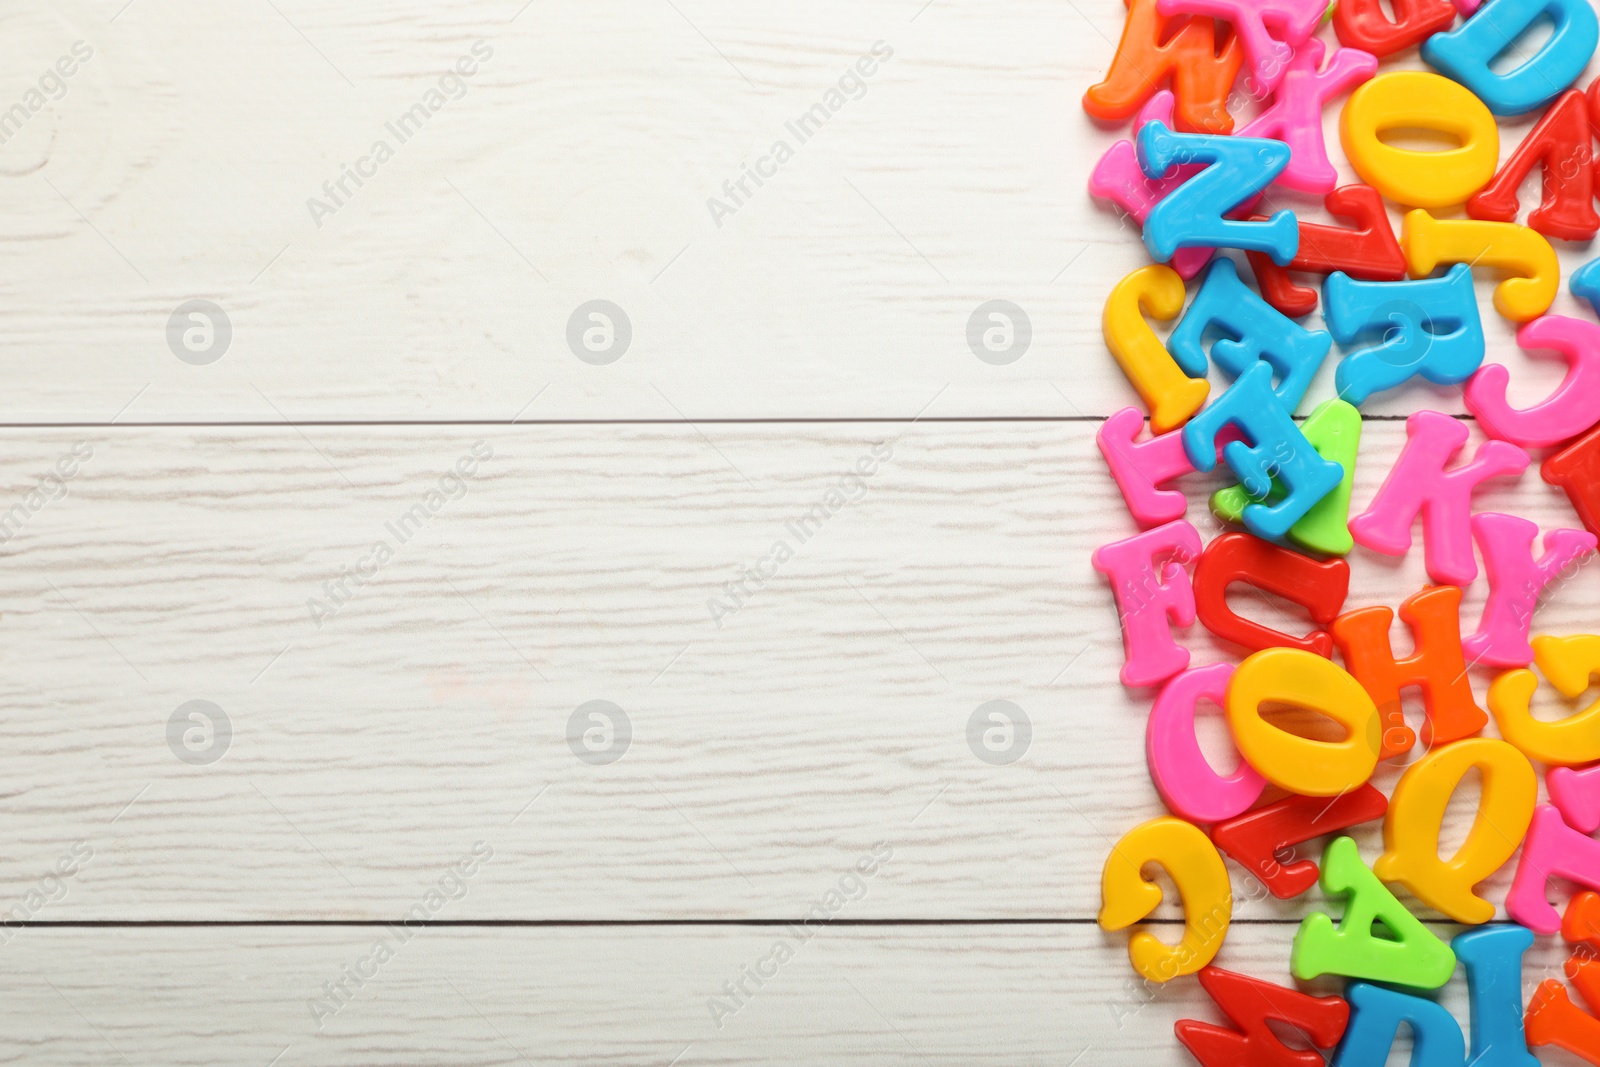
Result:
pixel 797 421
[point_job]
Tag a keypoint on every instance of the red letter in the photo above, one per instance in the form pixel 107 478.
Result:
pixel 1320 588
pixel 1256 837
pixel 1562 142
pixel 1576 469
pixel 1362 23
pixel 1249 1003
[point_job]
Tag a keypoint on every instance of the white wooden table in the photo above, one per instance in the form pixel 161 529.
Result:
pixel 388 712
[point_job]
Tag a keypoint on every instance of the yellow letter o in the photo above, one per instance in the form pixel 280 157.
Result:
pixel 1411 100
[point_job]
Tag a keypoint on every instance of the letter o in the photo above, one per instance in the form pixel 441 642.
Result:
pixel 1299 764
pixel 1418 100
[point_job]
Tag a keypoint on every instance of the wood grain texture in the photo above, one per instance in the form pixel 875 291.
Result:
pixel 427 713
pixel 576 164
pixel 848 995
pixel 431 709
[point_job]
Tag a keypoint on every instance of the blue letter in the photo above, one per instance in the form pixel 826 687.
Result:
pixel 1276 449
pixel 1586 283
pixel 1428 327
pixel 1254 329
pixel 1465 53
pixel 1191 216
pixel 1375 1017
pixel 1492 956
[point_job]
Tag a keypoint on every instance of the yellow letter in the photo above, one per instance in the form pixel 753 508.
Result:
pixel 1195 867
pixel 1568 662
pixel 1303 680
pixel 1410 100
pixel 1171 395
pixel 1536 273
pixel 1417 809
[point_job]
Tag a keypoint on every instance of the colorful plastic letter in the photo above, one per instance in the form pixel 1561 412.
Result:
pixel 1417 810
pixel 1576 469
pixel 1574 406
pixel 1568 663
pixel 1278 289
pixel 1320 588
pixel 1193 214
pixel 1581 924
pixel 1370 252
pixel 1171 396
pixel 1562 143
pixel 1182 774
pixel 1139 467
pixel 1584 971
pixel 1148 57
pixel 1275 448
pixel 1267 57
pixel 1516 581
pixel 1334 430
pixel 1493 960
pixel 1252 330
pixel 1466 52
pixel 1418 484
pixel 1414 99
pixel 1585 283
pixel 1552 849
pixel 1364 24
pixel 1117 178
pixel 1429 328
pixel 1435 665
pixel 1576 794
pixel 1536 272
pixel 1153 594
pixel 1257 838
pixel 1554 1020
pixel 1196 869
pixel 1375 1017
pixel 1413 957
pixel 1295 116
pixel 1249 1003
pixel 1289 761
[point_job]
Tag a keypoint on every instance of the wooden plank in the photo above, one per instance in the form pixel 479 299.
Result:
pixel 846 995
pixel 431 709
pixel 576 164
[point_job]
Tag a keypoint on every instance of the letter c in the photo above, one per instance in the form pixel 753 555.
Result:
pixel 1196 868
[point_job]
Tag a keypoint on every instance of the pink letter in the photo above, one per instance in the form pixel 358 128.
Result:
pixel 1150 602
pixel 1419 485
pixel 1552 849
pixel 1295 116
pixel 1119 179
pixel 1576 794
pixel 1515 582
pixel 1567 412
pixel 1139 467
pixel 1180 770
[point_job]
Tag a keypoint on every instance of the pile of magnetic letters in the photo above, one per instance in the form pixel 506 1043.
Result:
pixel 1426 143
